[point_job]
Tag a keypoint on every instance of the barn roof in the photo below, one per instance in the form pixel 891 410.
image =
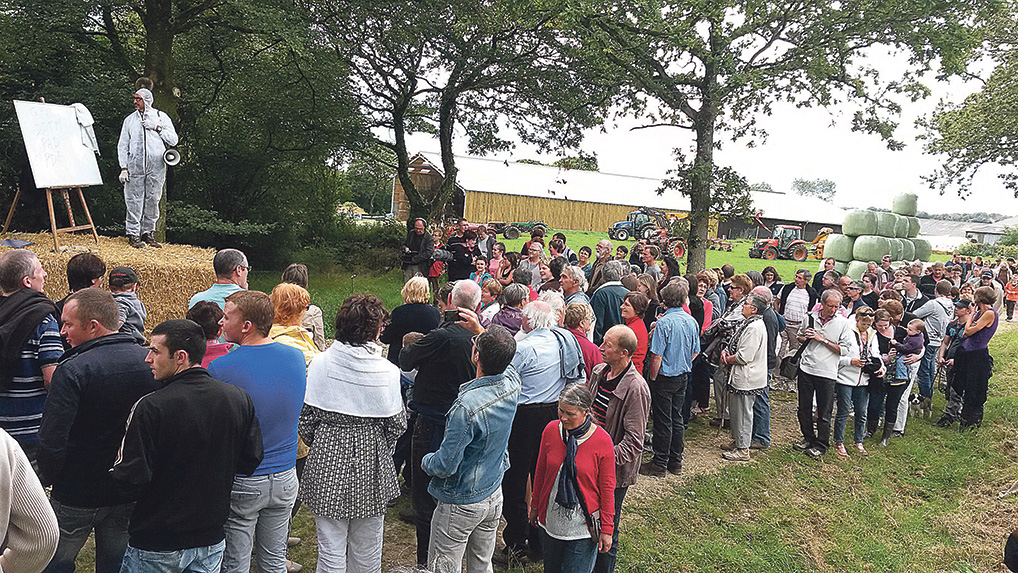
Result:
pixel 489 175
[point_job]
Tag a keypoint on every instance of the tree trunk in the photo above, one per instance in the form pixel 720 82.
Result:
pixel 446 122
pixel 699 198
pixel 159 68
pixel 418 206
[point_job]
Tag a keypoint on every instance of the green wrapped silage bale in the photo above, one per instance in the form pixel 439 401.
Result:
pixel 870 248
pixel 908 250
pixel 860 222
pixel 839 247
pixel 856 269
pixel 905 204
pixel 885 224
pixel 913 227
pixel 923 251
pixel 896 249
pixel 900 226
pixel 841 267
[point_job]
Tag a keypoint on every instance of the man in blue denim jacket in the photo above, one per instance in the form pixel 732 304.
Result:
pixel 467 468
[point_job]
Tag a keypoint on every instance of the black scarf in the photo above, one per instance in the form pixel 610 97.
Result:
pixel 568 495
pixel 20 315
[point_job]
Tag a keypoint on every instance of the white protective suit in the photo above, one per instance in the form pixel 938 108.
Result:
pixel 140 151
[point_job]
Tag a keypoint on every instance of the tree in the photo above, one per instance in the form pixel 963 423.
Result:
pixel 981 130
pixel 582 162
pixel 713 67
pixel 820 188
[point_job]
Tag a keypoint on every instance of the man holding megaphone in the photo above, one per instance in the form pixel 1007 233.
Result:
pixel 143 140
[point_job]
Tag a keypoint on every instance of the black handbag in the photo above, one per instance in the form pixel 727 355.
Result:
pixel 790 364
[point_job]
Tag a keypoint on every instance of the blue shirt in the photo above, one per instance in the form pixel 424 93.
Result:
pixel 578 296
pixel 540 365
pixel 21 405
pixel 217 293
pixel 469 464
pixel 275 378
pixel 676 340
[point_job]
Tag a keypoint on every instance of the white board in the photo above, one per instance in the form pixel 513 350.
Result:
pixel 55 148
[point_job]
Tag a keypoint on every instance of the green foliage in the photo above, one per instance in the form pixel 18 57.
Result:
pixel 980 131
pixel 356 244
pixel 582 162
pixel 1010 237
pixel 985 250
pixel 821 188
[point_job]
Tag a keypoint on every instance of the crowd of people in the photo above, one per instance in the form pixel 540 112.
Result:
pixel 526 388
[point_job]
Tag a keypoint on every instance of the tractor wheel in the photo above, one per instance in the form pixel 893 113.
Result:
pixel 622 235
pixel 647 232
pixel 679 249
pixel 799 253
pixel 770 253
pixel 511 232
pixel 543 227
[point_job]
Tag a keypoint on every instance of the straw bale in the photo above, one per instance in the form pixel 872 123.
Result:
pixel 169 276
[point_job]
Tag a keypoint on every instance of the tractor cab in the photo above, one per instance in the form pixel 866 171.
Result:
pixel 785 234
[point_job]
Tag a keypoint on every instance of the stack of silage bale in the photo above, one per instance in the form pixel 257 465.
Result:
pixel 869 235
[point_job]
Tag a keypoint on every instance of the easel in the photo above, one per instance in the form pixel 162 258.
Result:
pixel 52 216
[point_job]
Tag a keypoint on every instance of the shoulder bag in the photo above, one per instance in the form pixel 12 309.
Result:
pixel 790 364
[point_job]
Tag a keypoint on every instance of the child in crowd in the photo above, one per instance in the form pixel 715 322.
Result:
pixel 480 273
pixel 437 267
pixel 207 315
pixel 1011 295
pixel 124 285
pixel 911 345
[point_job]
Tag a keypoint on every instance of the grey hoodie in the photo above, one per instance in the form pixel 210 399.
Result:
pixel 132 315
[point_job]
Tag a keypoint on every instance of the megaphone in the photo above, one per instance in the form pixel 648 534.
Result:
pixel 171 156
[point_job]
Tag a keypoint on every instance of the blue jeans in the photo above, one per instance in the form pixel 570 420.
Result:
pixel 858 397
pixel 927 370
pixel 568 556
pixel 110 525
pixel 259 521
pixel 606 561
pixel 195 560
pixel 762 416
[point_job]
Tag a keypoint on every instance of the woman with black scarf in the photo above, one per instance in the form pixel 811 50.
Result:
pixel 574 486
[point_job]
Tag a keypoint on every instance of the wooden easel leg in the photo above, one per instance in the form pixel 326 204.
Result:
pixel 10 214
pixel 88 215
pixel 67 205
pixel 52 219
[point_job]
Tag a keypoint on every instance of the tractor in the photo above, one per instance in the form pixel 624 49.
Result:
pixel 651 224
pixel 787 243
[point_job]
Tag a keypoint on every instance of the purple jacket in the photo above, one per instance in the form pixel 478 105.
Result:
pixel 509 317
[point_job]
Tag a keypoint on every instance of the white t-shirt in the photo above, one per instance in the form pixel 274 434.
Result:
pixel 796 305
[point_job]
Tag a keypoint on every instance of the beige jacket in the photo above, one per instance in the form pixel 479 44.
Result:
pixel 25 514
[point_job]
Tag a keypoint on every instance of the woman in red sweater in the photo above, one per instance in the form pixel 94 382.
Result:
pixel 633 306
pixel 574 486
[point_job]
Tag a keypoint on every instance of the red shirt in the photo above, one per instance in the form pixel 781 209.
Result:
pixel 595 472
pixel 214 350
pixel 638 326
pixel 591 353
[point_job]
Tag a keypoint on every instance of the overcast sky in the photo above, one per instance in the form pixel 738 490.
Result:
pixel 803 143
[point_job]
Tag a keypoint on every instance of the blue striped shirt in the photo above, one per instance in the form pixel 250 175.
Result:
pixel 21 404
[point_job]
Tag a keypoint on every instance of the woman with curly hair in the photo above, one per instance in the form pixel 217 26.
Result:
pixel 353 413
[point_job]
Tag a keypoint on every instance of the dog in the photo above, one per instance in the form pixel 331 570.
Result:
pixel 919 406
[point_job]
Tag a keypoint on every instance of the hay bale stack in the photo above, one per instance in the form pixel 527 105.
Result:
pixel 169 276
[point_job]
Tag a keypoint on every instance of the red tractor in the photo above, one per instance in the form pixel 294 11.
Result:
pixel 786 243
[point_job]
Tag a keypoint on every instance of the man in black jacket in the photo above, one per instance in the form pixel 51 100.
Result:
pixel 184 443
pixel 417 251
pixel 93 389
pixel 803 298
pixel 463 253
pixel 442 360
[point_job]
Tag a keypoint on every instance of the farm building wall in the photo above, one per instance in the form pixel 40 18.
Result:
pixel 556 213
pixel 739 229
pixel 424 182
